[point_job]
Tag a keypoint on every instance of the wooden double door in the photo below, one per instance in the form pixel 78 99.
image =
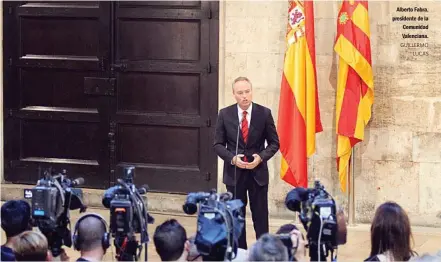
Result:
pixel 91 87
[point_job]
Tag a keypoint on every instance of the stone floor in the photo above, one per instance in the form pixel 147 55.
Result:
pixel 356 249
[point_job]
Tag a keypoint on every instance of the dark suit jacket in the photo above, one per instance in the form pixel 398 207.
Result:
pixel 261 128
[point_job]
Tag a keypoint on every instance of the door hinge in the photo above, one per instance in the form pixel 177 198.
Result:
pixel 102 63
pixel 208 176
pixel 10 10
pixel 208 68
pixel 209 122
pixel 119 67
pixel 209 14
pixel 10 61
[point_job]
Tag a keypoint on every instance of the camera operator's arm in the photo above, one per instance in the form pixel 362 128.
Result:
pixel 299 244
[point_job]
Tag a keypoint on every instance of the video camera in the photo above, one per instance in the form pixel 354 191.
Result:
pixel 318 214
pixel 219 224
pixel 52 198
pixel 128 216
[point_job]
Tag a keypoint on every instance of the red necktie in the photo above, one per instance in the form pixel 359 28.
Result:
pixel 245 130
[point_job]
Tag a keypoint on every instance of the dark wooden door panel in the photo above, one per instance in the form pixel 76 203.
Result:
pixel 53 89
pixel 163 116
pixel 56 121
pixel 94 86
pixel 173 93
pixel 178 4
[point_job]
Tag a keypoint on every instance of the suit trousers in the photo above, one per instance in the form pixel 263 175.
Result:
pixel 258 196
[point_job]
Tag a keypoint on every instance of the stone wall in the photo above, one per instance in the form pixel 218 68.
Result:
pixel 400 158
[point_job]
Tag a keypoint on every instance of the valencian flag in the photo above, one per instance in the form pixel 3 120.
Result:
pixel 299 115
pixel 355 94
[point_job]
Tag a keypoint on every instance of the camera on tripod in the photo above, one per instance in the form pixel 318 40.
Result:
pixel 128 216
pixel 52 198
pixel 318 214
pixel 219 224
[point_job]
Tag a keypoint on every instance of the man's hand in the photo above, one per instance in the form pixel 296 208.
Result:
pixel 299 243
pixel 238 161
pixel 256 162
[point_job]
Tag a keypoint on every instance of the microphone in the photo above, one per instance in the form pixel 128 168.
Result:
pixel 143 189
pixel 78 181
pixel 226 196
pixel 295 197
pixel 235 166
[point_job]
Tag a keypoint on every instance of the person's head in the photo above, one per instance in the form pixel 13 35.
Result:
pixel 31 246
pixel 91 235
pixel 170 240
pixel 390 231
pixel 286 229
pixel 243 92
pixel 16 217
pixel 268 248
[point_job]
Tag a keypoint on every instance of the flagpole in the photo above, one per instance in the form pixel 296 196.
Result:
pixel 351 193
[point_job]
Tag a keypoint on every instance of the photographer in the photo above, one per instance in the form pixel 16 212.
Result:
pixel 171 242
pixel 91 237
pixel 268 248
pixel 391 234
pixel 298 249
pixel 16 218
pixel 32 246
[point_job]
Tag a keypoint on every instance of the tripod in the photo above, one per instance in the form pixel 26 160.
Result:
pixel 324 251
pixel 126 248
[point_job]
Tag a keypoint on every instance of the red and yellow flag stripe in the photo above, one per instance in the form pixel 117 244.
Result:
pixel 355 85
pixel 299 115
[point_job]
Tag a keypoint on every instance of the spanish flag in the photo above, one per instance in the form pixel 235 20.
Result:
pixel 299 115
pixel 355 85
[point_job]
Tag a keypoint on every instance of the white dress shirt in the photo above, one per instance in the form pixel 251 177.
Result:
pixel 240 114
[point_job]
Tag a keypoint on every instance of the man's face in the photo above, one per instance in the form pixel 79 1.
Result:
pixel 243 94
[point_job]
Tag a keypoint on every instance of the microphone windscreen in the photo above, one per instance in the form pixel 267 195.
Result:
pixel 78 181
pixel 295 197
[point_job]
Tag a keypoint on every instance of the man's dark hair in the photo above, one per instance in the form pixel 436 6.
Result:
pixel 169 239
pixel 286 229
pixel 268 248
pixel 16 216
pixel 90 233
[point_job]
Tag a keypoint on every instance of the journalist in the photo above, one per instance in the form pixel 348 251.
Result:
pixel 298 248
pixel 91 238
pixel 170 240
pixel 391 234
pixel 16 218
pixel 268 248
pixel 32 246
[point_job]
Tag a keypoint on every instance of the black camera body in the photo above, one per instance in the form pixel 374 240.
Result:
pixel 318 214
pixel 51 200
pixel 219 224
pixel 128 215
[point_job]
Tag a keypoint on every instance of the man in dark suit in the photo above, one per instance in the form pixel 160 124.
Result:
pixel 251 124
